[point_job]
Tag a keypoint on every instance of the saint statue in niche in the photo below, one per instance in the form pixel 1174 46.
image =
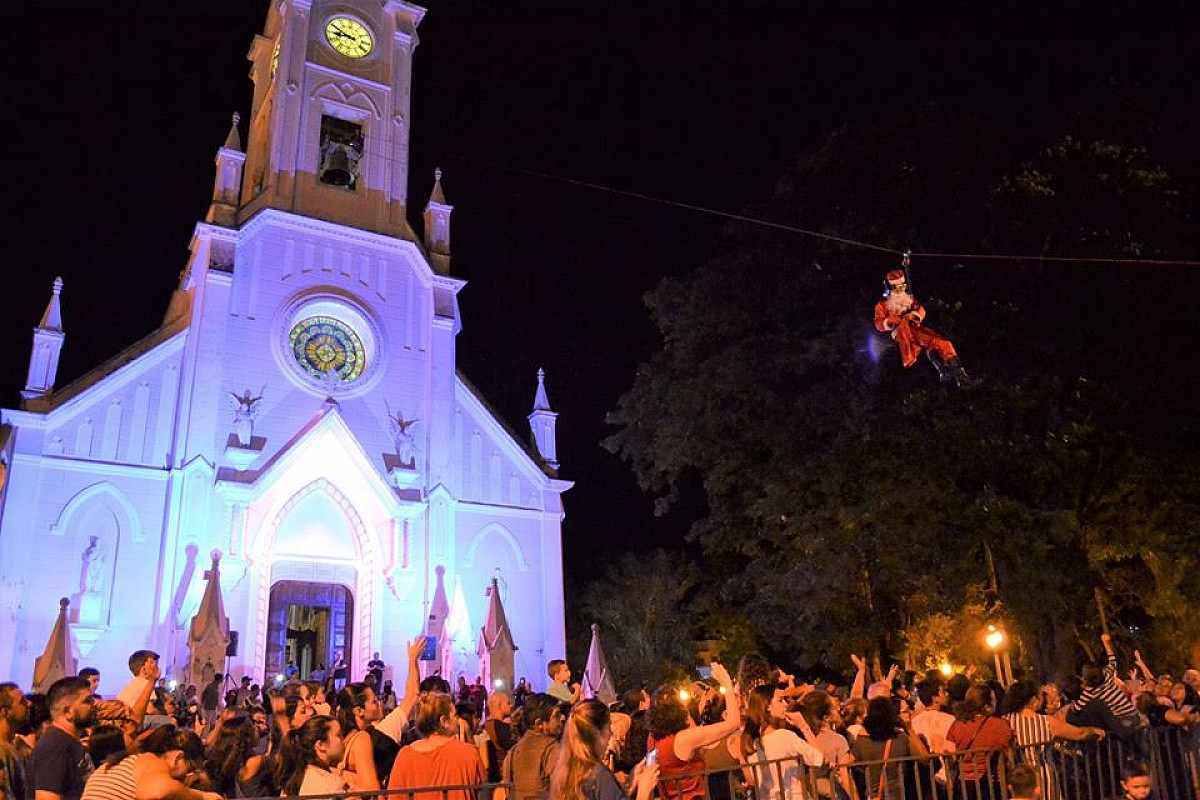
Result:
pixel 94 560
pixel 245 407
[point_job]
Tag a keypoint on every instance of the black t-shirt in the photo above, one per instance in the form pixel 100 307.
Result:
pixel 59 764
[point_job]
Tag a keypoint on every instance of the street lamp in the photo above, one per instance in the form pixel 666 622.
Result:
pixel 995 640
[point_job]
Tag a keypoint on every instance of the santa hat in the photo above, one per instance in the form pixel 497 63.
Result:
pixel 896 276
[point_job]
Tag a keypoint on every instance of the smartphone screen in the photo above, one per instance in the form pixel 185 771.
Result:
pixel 429 652
pixel 652 756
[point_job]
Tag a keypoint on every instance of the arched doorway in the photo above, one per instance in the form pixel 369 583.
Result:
pixel 307 623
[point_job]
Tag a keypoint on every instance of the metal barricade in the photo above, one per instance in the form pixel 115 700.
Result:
pixel 1088 770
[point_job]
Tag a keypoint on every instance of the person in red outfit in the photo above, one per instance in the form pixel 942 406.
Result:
pixel 903 317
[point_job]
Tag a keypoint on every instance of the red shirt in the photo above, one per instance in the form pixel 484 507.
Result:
pixel 981 733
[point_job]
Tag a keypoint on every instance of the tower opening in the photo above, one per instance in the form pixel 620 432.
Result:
pixel 341 150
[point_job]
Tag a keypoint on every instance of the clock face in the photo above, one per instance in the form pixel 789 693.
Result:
pixel 349 37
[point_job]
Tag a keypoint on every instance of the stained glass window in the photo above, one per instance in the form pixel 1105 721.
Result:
pixel 320 344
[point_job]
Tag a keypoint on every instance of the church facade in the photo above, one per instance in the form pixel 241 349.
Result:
pixel 298 414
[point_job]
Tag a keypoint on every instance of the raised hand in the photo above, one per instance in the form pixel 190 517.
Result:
pixel 415 647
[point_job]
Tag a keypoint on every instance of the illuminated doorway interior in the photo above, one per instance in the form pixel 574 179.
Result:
pixel 306 624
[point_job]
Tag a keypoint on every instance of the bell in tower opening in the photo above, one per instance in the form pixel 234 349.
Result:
pixel 341 150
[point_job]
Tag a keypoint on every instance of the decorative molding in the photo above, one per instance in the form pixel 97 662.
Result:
pixel 124 511
pixel 504 534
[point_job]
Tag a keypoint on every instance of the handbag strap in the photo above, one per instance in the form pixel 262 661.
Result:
pixel 977 732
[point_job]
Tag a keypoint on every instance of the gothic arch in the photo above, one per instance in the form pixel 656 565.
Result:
pixel 105 494
pixel 506 535
pixel 362 538
pixel 367 561
pixel 356 99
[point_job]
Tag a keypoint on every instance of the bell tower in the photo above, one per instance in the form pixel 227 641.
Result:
pixel 329 121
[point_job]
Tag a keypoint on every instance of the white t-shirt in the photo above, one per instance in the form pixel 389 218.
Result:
pixel 133 690
pixel 785 744
pixel 321 781
pixel 933 726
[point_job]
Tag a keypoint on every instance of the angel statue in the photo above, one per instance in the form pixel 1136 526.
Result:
pixel 406 441
pixel 244 406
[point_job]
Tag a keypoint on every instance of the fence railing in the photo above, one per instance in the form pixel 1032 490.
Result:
pixel 1089 770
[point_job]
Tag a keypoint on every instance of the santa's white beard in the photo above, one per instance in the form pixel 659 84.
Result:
pixel 899 302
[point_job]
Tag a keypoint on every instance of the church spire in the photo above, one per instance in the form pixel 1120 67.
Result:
pixel 58 659
pixel 437 225
pixel 47 345
pixel 208 636
pixel 542 422
pixel 496 646
pixel 227 183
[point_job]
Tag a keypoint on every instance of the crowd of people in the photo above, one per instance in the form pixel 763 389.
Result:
pixel 760 734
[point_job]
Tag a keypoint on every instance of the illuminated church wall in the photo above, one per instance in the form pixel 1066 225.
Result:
pixel 299 411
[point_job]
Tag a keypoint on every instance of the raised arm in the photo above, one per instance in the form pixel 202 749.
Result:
pixel 1141 665
pixel 412 683
pixel 859 687
pixel 689 740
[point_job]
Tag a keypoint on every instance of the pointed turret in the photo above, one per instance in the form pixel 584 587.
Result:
pixel 437 226
pixel 542 422
pixel 208 636
pixel 228 181
pixel 58 659
pixel 496 647
pixel 597 680
pixel 47 346
pixel 455 642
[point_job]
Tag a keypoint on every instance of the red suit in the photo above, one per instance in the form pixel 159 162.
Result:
pixel 903 317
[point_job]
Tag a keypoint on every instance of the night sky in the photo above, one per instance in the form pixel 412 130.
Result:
pixel 115 121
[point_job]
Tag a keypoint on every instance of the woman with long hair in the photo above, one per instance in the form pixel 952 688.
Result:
pixel 824 717
pixel 888 735
pixel 233 766
pixel 439 757
pixel 678 740
pixel 580 773
pixel 979 735
pixel 309 758
pixel 773 748
pixel 357 709
pixel 154 767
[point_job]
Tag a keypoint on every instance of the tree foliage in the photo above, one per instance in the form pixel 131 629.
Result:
pixel 852 504
pixel 642 608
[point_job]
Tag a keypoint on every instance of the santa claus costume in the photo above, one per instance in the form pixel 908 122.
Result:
pixel 902 315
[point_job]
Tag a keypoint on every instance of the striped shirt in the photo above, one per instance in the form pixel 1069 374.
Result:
pixel 115 782
pixel 1110 692
pixel 1029 729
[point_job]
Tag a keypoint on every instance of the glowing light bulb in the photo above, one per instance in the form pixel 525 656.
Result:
pixel 684 695
pixel 946 669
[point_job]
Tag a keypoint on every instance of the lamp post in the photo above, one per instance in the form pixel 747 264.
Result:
pixel 995 640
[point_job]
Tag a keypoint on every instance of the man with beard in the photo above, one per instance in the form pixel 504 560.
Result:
pixel 59 765
pixel 14 717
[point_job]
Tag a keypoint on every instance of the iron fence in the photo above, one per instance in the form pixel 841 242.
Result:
pixel 1089 770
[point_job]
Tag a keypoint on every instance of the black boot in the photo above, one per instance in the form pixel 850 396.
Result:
pixel 943 369
pixel 958 373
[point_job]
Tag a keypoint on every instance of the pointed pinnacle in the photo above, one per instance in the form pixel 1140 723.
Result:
pixel 234 140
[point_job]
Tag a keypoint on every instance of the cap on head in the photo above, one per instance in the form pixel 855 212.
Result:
pixel 896 278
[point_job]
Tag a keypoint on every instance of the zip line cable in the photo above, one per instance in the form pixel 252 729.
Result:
pixel 844 240
pixel 828 236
